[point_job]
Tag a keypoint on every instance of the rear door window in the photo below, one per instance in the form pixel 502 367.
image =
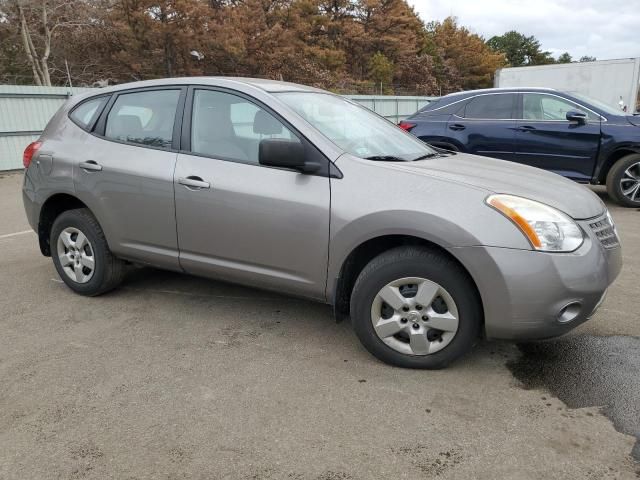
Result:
pixel 145 118
pixel 491 107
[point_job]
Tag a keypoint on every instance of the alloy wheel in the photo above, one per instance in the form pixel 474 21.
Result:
pixel 630 182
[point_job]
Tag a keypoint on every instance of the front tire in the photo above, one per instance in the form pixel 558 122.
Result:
pixel 623 181
pixel 416 308
pixel 81 255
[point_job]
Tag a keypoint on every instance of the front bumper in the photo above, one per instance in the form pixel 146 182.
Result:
pixel 525 292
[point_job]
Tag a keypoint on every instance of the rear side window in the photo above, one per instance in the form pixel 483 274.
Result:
pixel 491 107
pixel 145 118
pixel 85 114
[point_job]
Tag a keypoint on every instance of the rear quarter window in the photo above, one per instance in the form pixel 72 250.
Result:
pixel 85 114
pixel 441 107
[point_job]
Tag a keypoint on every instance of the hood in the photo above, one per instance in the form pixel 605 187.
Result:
pixel 501 176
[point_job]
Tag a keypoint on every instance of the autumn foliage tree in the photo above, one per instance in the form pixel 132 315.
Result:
pixel 463 59
pixel 343 45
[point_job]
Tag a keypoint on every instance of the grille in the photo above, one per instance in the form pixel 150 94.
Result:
pixel 605 232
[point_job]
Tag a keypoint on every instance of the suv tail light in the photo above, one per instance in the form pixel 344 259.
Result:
pixel 406 125
pixel 29 153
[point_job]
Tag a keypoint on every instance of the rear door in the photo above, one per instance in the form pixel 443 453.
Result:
pixel 546 139
pixel 486 125
pixel 125 174
pixel 238 220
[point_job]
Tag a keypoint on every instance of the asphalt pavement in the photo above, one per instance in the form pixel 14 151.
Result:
pixel 173 376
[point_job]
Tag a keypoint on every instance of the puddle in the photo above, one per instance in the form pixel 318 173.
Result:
pixel 587 371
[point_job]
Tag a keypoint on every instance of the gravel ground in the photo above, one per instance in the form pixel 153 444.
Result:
pixel 173 376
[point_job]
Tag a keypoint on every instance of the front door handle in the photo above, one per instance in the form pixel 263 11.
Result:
pixel 193 182
pixel 91 165
pixel 526 128
pixel 457 126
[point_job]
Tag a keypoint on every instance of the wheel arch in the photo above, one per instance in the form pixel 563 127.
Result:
pixel 612 159
pixel 443 142
pixel 51 209
pixel 363 253
pixel 445 145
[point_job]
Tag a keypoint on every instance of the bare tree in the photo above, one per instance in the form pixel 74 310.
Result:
pixel 39 20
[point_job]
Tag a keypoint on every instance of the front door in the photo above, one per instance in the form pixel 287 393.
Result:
pixel 238 220
pixel 546 139
pixel 486 125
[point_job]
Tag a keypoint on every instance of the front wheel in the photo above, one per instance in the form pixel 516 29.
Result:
pixel 416 308
pixel 623 181
pixel 81 255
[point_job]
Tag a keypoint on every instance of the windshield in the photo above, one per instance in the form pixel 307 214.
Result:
pixel 598 104
pixel 354 128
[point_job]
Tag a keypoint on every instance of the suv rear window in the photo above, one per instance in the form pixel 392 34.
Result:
pixel 493 107
pixel 145 118
pixel 85 114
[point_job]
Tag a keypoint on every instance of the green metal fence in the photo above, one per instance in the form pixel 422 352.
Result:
pixel 25 110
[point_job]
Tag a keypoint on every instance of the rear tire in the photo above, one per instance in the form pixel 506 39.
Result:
pixel 416 274
pixel 81 254
pixel 623 181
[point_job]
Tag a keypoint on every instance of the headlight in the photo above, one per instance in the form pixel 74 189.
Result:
pixel 546 228
pixel 613 225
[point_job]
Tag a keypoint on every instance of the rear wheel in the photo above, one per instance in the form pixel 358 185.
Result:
pixel 81 255
pixel 623 181
pixel 415 308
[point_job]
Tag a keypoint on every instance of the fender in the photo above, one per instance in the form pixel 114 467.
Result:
pixel 442 232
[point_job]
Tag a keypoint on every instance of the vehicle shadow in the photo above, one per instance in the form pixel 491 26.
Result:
pixel 305 319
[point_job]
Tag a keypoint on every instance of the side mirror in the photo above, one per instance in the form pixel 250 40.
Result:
pixel 576 116
pixel 283 153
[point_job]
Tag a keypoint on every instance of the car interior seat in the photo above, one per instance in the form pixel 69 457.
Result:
pixel 214 135
pixel 532 108
pixel 126 128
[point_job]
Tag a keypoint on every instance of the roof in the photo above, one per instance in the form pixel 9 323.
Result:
pixel 260 83
pixel 500 89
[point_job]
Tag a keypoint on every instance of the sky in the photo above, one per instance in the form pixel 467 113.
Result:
pixel 604 29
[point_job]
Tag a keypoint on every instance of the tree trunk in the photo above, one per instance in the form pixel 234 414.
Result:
pixel 44 61
pixel 28 45
pixel 169 54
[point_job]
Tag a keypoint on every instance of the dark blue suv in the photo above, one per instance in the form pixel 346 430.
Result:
pixel 568 134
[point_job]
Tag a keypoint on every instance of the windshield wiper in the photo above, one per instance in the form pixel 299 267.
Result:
pixel 428 155
pixel 385 158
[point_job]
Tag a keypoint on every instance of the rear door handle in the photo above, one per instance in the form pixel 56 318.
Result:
pixel 91 165
pixel 193 182
pixel 457 126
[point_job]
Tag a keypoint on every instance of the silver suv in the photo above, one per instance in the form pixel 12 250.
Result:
pixel 290 188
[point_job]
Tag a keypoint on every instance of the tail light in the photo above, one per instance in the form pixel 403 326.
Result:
pixel 406 125
pixel 29 153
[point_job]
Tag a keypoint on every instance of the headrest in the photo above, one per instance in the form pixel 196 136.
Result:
pixel 266 124
pixel 214 123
